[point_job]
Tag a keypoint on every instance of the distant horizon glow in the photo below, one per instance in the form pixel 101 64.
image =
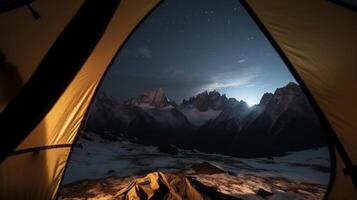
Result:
pixel 187 47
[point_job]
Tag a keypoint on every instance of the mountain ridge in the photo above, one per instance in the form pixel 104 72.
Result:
pixel 212 122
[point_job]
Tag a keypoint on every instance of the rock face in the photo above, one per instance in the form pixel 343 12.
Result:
pixel 265 99
pixel 147 119
pixel 281 122
pixel 155 98
pixel 204 107
pixel 219 131
pixel 285 122
pixel 107 115
pixel 206 100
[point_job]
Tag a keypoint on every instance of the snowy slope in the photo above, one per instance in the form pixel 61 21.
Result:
pixel 100 158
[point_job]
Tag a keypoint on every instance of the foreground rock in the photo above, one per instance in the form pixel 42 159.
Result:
pixel 162 186
pixel 206 168
pixel 263 193
pixel 156 185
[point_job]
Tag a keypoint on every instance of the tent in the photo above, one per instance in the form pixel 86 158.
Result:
pixel 53 56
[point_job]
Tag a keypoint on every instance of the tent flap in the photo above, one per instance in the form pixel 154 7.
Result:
pixel 319 40
pixel 61 123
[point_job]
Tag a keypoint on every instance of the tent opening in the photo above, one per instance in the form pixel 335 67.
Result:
pixel 198 104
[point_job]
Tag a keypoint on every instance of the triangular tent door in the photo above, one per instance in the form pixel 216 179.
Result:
pixel 52 64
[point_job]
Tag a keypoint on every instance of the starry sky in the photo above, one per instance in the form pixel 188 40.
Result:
pixel 189 46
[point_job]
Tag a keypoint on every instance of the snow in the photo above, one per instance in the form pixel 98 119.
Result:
pixel 197 117
pixel 146 106
pixel 122 158
pixel 95 159
pixel 299 166
pixel 304 172
pixel 169 107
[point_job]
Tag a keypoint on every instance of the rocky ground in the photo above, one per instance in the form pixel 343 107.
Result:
pixel 100 169
pixel 250 187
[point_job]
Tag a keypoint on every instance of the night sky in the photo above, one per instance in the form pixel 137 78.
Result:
pixel 189 46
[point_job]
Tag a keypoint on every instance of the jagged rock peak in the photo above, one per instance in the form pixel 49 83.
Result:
pixel 287 93
pixel 155 98
pixel 290 88
pixel 292 84
pixel 265 98
pixel 281 95
pixel 206 100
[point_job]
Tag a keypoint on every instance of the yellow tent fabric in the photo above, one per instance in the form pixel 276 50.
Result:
pixel 37 175
pixel 320 40
pixel 318 37
pixel 24 41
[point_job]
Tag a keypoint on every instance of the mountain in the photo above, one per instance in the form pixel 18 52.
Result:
pixel 108 115
pixel 282 121
pixel 206 101
pixel 203 107
pixel 152 99
pixel 288 122
pixel 159 126
pixel 149 118
pixel 218 131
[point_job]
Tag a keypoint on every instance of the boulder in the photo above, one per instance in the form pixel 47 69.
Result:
pixel 263 193
pixel 168 148
pixel 207 168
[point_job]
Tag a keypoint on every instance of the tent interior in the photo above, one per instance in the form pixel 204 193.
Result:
pixel 150 99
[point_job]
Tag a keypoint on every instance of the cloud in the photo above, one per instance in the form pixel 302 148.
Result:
pixel 250 85
pixel 145 52
pixel 228 83
pixel 242 61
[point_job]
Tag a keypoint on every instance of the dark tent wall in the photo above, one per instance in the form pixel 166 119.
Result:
pixel 319 40
pixel 24 42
